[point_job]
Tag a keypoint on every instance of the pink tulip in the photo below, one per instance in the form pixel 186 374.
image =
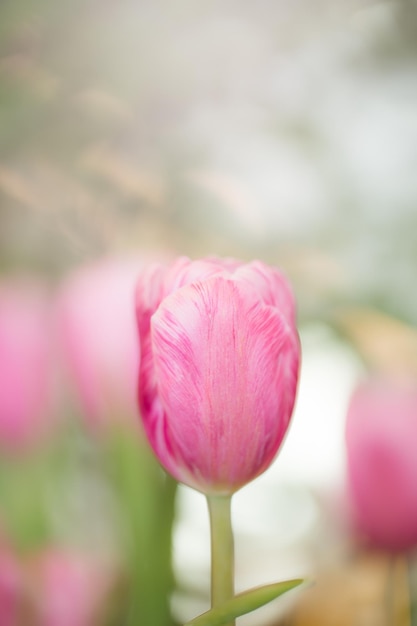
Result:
pixel 69 588
pixel 98 336
pixel 26 386
pixel 219 368
pixel 382 462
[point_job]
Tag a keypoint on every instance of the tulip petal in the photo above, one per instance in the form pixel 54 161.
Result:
pixel 271 285
pixel 185 272
pixel 149 292
pixel 155 283
pixel 226 368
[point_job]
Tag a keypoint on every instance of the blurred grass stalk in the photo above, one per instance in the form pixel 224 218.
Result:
pixel 398 600
pixel 147 498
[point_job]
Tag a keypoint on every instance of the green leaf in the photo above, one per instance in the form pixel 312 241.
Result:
pixel 244 602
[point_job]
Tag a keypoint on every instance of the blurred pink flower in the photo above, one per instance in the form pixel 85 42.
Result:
pixel 70 589
pixel 26 368
pixel 98 336
pixel 381 436
pixel 219 368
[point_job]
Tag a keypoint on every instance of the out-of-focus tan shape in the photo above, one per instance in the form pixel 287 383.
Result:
pixel 43 187
pixel 388 345
pixel 17 187
pixel 125 175
pixel 233 194
pixel 79 213
pixel 22 69
pixel 370 591
pixel 402 597
pixel 314 269
pixel 99 102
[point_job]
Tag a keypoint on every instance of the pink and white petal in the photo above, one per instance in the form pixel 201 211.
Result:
pixel 229 264
pixel 227 369
pixel 185 272
pixel 271 285
pixel 149 293
pixel 154 284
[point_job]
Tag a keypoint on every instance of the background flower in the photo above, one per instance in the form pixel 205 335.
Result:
pixel 97 334
pixel 26 365
pixel 70 588
pixel 381 432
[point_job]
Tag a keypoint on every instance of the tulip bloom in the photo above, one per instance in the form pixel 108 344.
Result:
pixel 219 368
pixel 97 335
pixel 382 462
pixel 70 589
pixel 26 376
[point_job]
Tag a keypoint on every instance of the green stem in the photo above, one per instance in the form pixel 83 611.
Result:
pixel 222 550
pixel 147 498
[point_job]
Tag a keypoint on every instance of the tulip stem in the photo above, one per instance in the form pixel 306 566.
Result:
pixel 222 550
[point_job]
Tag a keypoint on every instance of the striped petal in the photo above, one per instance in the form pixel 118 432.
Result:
pixel 225 375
